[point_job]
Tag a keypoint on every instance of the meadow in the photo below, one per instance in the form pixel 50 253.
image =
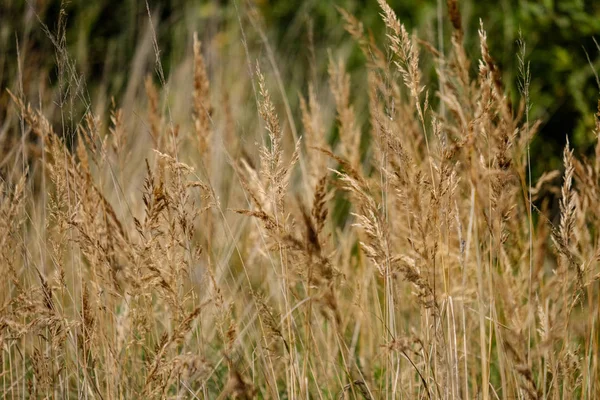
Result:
pixel 205 234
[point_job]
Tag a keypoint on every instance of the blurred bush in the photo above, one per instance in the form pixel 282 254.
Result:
pixel 558 34
pixel 103 35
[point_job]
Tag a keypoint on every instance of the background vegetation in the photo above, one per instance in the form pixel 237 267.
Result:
pixel 279 199
pixel 103 36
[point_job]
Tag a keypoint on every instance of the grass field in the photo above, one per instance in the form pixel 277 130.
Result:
pixel 206 235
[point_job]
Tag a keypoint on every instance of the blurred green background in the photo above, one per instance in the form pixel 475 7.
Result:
pixel 102 37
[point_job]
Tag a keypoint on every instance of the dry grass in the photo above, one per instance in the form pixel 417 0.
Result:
pixel 163 256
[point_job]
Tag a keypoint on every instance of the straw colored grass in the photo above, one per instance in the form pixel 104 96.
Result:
pixel 202 251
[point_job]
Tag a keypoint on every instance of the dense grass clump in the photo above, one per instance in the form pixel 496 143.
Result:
pixel 202 238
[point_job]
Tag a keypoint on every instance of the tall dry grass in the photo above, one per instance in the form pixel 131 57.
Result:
pixel 170 253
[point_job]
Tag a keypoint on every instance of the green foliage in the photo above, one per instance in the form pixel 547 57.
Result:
pixel 563 88
pixel 103 36
pixel 558 34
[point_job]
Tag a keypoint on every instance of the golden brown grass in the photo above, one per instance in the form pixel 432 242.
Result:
pixel 165 255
